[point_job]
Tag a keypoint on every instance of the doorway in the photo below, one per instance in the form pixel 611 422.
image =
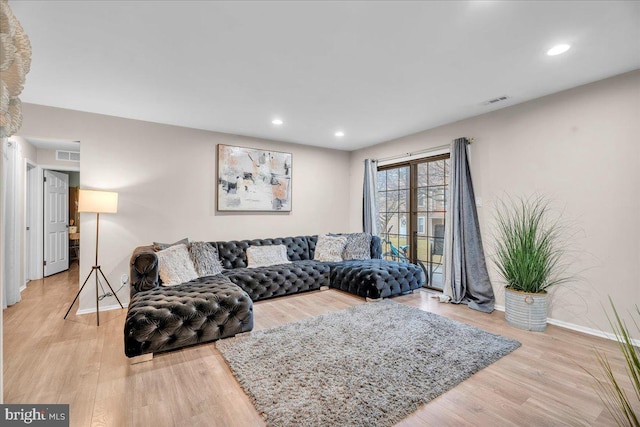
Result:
pixel 56 222
pixel 45 155
pixel 61 220
pixel 412 201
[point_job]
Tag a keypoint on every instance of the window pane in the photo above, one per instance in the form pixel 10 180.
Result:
pixel 392 201
pixel 436 172
pixel 392 179
pixel 381 200
pixel 388 222
pixel 422 199
pixel 392 226
pixel 403 241
pixel 422 225
pixel 435 225
pixel 382 222
pixel 403 223
pixel 430 200
pixel 436 199
pixel 423 179
pixel 403 201
pixel 423 249
pixel 382 180
pixel 447 165
pixel 403 177
pixel 437 248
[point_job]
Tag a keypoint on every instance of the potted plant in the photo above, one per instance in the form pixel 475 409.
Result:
pixel 528 257
pixel 622 406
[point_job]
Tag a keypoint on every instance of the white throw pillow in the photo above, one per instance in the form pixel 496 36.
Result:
pixel 330 248
pixel 264 256
pixel 175 265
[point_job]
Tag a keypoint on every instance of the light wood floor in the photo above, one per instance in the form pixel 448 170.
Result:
pixel 50 360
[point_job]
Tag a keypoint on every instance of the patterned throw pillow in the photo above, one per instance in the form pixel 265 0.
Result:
pixel 175 266
pixel 264 256
pixel 358 246
pixel 205 259
pixel 157 246
pixel 330 248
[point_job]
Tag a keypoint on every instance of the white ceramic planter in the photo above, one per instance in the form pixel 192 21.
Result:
pixel 525 310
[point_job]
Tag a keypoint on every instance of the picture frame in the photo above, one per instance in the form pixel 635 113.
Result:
pixel 253 180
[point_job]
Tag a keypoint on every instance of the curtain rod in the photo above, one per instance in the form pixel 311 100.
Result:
pixel 399 156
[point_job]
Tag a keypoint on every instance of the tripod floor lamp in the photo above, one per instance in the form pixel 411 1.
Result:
pixel 97 202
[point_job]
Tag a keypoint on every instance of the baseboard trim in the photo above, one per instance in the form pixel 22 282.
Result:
pixel 589 331
pixel 102 308
pixel 580 328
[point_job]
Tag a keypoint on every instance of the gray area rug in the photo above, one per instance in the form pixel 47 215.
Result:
pixel 369 365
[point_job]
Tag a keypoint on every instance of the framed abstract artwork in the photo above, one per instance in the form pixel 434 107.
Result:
pixel 250 179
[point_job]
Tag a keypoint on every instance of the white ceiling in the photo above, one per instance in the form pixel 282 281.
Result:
pixel 376 70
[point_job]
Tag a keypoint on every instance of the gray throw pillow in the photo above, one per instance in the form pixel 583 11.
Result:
pixel 205 259
pixel 358 246
pixel 330 248
pixel 157 246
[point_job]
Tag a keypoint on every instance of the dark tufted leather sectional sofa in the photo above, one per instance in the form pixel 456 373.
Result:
pixel 209 308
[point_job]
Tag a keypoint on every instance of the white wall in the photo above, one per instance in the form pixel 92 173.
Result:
pixel 47 158
pixel 581 148
pixel 166 180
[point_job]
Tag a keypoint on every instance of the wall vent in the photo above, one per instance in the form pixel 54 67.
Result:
pixel 68 156
pixel 494 100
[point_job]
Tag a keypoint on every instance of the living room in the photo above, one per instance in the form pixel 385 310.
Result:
pixel 574 141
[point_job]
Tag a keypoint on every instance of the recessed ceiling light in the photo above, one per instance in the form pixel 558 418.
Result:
pixel 277 122
pixel 339 134
pixel 558 49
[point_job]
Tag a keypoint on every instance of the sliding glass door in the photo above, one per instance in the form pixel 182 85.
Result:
pixel 412 201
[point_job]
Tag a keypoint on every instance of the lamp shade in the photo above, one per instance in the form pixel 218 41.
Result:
pixel 97 201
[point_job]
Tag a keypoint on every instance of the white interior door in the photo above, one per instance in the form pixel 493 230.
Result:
pixel 56 220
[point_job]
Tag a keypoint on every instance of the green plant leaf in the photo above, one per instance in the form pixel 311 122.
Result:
pixel 528 247
pixel 609 390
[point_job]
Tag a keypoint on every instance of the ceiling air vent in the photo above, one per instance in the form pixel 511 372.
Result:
pixel 495 100
pixel 68 156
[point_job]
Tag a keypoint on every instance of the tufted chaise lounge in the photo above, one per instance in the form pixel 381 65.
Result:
pixel 166 318
pixel 209 308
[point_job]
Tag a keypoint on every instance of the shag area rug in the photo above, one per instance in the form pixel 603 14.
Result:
pixel 368 365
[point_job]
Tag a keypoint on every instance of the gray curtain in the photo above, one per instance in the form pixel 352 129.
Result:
pixel 369 205
pixel 466 278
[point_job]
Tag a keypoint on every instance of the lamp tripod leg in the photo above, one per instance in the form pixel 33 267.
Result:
pixel 97 268
pixel 78 294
